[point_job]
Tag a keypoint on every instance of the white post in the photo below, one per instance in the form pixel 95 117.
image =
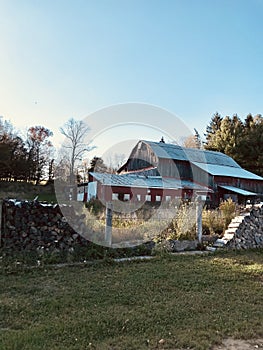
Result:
pixel 199 219
pixel 108 226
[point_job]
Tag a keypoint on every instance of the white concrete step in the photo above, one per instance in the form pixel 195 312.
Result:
pixel 228 236
pixel 234 225
pixel 220 243
pixel 231 230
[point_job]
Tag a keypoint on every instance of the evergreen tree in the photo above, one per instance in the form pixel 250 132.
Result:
pixel 211 130
pixel 197 139
pixel 251 145
pixel 243 141
pixel 97 165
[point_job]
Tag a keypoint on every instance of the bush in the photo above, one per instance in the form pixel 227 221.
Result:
pixel 228 209
pixel 213 222
pixel 95 206
pixel 216 221
pixel 182 227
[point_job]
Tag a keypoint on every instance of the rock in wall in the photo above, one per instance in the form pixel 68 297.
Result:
pixel 34 226
pixel 245 231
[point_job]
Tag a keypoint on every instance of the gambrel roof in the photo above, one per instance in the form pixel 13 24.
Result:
pixel 176 152
pixel 214 163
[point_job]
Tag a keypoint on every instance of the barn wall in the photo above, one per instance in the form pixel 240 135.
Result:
pixel 246 184
pixel 105 193
pixel 202 177
pixel 175 169
pixel 141 157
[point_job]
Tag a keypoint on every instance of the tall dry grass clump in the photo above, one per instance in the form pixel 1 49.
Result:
pixel 217 220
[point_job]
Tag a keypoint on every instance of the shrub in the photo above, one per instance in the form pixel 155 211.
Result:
pixel 228 209
pixel 182 226
pixel 213 222
pixel 95 206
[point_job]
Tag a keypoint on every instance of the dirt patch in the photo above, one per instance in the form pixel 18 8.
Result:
pixel 238 344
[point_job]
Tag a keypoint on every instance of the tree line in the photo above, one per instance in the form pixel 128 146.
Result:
pixel 25 159
pixel 31 158
pixel 241 140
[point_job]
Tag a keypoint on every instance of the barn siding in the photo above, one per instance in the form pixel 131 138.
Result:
pixel 104 193
pixel 246 184
pixel 141 157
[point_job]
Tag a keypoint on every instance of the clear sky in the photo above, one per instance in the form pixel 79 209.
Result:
pixel 69 58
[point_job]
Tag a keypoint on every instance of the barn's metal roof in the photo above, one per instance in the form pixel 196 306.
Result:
pixel 131 180
pixel 239 190
pixel 220 170
pixel 171 151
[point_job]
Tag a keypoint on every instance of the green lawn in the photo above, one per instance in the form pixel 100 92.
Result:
pixel 188 301
pixel 27 191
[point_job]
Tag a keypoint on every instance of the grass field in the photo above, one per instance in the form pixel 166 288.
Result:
pixel 170 302
pixel 27 191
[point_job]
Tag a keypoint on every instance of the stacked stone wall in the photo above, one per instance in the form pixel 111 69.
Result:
pixel 31 226
pixel 245 231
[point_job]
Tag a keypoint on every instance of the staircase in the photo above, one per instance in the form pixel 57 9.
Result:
pixel 245 231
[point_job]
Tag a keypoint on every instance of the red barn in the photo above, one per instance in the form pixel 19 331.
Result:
pixel 156 171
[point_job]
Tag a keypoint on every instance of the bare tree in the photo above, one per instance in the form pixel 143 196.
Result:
pixel 61 167
pixel 193 141
pixel 114 161
pixel 75 132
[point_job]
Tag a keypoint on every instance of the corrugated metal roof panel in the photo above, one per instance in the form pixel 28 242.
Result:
pixel 239 190
pixel 220 170
pixel 131 180
pixel 171 151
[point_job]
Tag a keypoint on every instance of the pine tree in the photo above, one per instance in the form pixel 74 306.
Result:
pixel 211 130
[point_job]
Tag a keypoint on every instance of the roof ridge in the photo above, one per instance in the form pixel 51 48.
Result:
pixel 162 144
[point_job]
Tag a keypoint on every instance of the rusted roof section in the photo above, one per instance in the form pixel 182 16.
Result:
pixel 158 182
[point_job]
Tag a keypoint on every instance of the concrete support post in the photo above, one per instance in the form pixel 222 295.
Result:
pixel 199 227
pixel 108 226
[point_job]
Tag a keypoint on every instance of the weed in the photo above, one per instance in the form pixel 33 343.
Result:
pixel 228 208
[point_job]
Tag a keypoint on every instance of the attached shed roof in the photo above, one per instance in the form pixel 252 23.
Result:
pixel 132 180
pixel 171 151
pixel 221 170
pixel 239 191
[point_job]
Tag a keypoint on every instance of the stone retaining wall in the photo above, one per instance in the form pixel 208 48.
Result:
pixel 31 226
pixel 245 231
pixel 34 226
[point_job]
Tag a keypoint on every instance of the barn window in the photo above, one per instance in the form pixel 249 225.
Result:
pixel 168 198
pixel 127 196
pixel 158 198
pixel 138 197
pixel 148 197
pixel 114 196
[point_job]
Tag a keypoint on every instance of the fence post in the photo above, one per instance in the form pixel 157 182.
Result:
pixel 199 227
pixel 108 227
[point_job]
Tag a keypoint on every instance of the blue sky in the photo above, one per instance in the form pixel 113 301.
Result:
pixel 69 58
